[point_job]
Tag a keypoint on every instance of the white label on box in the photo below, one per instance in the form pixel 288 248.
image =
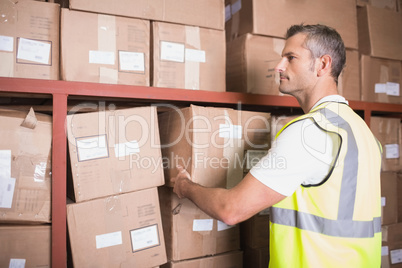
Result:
pixel 383 201
pixel 17 263
pixel 228 13
pixel 236 7
pixel 132 61
pixel 6 43
pixel 384 251
pixel 223 226
pixel 109 240
pixel 230 131
pixel 253 157
pixel 203 225
pixel 7 187
pixel 127 148
pixel 172 51
pixel 396 256
pixel 92 148
pixel 380 88
pixel 391 151
pixel 144 237
pixel 101 57
pixel 392 89
pixel 5 164
pixel 195 55
pixel 33 50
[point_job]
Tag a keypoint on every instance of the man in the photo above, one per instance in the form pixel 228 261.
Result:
pixel 325 203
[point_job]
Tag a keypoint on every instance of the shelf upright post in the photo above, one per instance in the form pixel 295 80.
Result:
pixel 59 185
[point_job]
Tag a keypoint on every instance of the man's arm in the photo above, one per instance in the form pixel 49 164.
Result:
pixel 231 206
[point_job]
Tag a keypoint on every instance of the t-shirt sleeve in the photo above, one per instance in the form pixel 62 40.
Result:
pixel 302 154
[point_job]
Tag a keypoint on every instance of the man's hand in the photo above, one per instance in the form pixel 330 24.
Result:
pixel 181 181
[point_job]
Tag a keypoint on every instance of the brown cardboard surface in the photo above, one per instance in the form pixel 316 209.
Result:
pixel 392 244
pixel 232 259
pixel 389 198
pixel 254 232
pixel 117 231
pixel 387 4
pixel 190 233
pixel 207 13
pixel 273 18
pixel 251 61
pixel 256 257
pixel 399 190
pixel 210 142
pixel 349 80
pixel 380 32
pixel 188 57
pixel 25 166
pixel 104 48
pixel 29 33
pixel 114 151
pixel 25 246
pixel 379 79
pixel 387 130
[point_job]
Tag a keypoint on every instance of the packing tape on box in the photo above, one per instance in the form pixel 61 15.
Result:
pixel 192 67
pixel 233 150
pixel 107 45
pixel 30 120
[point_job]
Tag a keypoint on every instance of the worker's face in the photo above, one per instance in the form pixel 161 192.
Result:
pixel 296 68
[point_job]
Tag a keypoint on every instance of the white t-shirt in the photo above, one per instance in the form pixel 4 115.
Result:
pixel 301 155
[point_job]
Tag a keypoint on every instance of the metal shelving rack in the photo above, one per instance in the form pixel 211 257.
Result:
pixel 60 91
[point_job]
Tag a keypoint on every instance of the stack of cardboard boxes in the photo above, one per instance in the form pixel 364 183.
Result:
pixel 389 131
pixel 210 143
pixel 122 210
pixel 255 38
pixel 25 188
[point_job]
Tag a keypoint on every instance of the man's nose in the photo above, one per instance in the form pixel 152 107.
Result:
pixel 281 66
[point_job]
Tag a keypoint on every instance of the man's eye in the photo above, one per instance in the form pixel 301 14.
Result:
pixel 290 58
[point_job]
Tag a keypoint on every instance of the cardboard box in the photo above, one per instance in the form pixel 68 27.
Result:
pixel 25 246
pixel 117 231
pixel 381 80
pixel 226 260
pixel 392 245
pixel 389 198
pixel 399 190
pixel 388 132
pixel 273 18
pixel 387 4
pixel 256 257
pixel 104 48
pixel 349 80
pixel 254 232
pixel 380 32
pixel 207 13
pixel 191 233
pixel 29 39
pixel 251 61
pixel 113 152
pixel 210 142
pixel 25 166
pixel 188 57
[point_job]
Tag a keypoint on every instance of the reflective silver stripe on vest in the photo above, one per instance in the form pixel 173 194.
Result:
pixel 338 228
pixel 344 226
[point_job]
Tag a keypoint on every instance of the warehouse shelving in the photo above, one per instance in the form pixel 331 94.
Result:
pixel 60 92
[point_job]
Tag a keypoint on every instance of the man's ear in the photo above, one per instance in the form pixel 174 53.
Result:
pixel 324 65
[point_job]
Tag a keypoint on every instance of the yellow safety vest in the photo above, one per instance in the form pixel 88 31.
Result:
pixel 336 223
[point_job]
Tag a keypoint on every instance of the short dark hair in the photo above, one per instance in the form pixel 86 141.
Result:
pixel 323 40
